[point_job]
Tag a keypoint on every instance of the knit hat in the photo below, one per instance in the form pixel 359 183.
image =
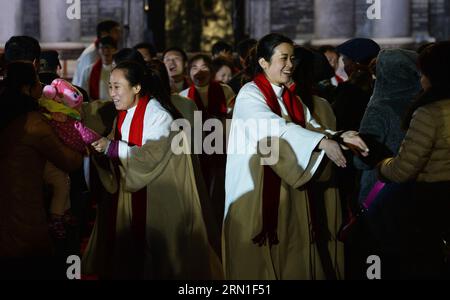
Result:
pixel 360 50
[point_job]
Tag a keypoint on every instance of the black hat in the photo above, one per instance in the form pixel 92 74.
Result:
pixel 359 50
pixel 49 60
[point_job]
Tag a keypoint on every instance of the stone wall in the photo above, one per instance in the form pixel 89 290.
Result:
pixel 93 11
pixel 31 25
pixel 337 19
pixel 440 19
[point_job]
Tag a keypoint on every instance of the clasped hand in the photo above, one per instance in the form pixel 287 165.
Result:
pixel 350 140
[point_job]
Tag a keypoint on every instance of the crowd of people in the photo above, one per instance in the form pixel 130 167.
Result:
pixel 361 137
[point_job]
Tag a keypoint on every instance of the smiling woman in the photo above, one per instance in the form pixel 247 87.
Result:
pixel 283 236
pixel 122 93
pixel 278 69
pixel 155 211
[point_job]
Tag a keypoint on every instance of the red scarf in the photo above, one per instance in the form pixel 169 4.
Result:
pixel 272 182
pixel 137 124
pixel 292 88
pixel 217 104
pixel 339 79
pixel 94 80
pixel 139 198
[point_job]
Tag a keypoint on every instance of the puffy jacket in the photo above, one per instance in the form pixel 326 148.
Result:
pixel 424 155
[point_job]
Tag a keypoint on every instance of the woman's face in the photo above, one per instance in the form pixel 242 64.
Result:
pixel 224 74
pixel 279 70
pixel 122 94
pixel 200 73
pixel 425 82
pixel 333 59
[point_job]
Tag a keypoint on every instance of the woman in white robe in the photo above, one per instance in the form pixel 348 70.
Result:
pixel 250 250
pixel 173 243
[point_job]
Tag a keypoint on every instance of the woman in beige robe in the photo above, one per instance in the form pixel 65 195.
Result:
pixel 299 155
pixel 175 244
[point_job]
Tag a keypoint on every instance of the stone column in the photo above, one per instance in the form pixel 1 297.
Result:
pixel 10 19
pixel 420 22
pixel 138 22
pixel 55 23
pixel 334 19
pixel 395 19
pixel 258 18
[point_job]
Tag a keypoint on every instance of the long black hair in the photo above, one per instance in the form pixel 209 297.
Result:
pixel 150 82
pixel 128 54
pixel 264 49
pixel 15 102
pixel 160 68
pixel 303 75
pixel 434 63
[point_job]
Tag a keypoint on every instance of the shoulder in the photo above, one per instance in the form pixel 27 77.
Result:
pixel 157 121
pixel 88 54
pixel 249 101
pixel 36 123
pixel 438 106
pixel 250 89
pixel 227 90
pixel 322 104
pixel 321 101
pixel 250 93
pixel 86 71
pixel 426 112
pixel 433 112
pixel 156 114
pixel 178 99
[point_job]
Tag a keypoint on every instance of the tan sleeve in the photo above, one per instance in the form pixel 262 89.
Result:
pixel 415 150
pixel 49 145
pixel 229 95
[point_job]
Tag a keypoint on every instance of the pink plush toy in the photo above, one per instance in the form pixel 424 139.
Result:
pixel 63 92
pixel 63 101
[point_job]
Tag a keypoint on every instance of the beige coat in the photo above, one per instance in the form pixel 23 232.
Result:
pixel 296 256
pixel 177 244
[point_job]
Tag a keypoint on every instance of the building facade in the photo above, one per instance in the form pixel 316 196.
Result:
pixel 328 21
pixel 319 21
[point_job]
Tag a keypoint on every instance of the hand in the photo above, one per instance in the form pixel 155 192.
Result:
pixel 353 141
pixel 100 145
pixel 333 151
